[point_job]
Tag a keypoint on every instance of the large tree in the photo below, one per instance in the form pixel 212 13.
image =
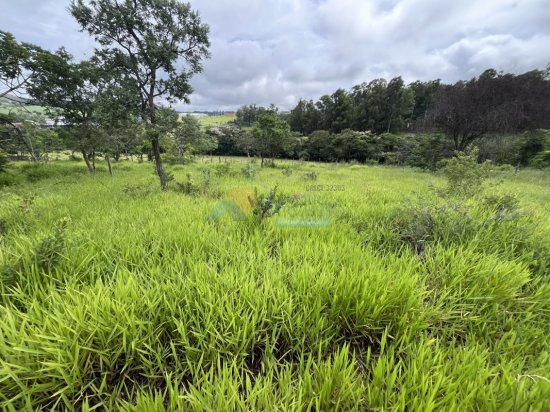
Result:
pixel 271 134
pixel 492 103
pixel 158 43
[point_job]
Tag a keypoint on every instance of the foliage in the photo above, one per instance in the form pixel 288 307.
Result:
pixel 464 174
pixel 3 162
pixel 190 137
pixel 493 102
pixel 146 52
pixel 249 170
pixel 265 205
pixel 270 134
pixel 541 160
pixel 311 175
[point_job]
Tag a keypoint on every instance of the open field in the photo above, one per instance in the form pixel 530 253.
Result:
pixel 214 120
pixel 118 296
pixel 24 111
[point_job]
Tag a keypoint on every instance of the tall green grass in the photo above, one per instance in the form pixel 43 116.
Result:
pixel 116 296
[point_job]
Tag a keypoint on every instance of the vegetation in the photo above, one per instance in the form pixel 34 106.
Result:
pixel 217 120
pixel 248 283
pixel 120 297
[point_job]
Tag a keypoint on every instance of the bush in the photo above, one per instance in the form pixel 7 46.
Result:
pixel 464 174
pixel 8 179
pixel 267 205
pixel 428 152
pixel 249 171
pixel 223 169
pixel 35 172
pixel 287 171
pixel 138 191
pixel 311 176
pixel 541 160
pixel 188 187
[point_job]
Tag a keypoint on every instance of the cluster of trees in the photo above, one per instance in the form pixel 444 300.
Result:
pixel 379 106
pixel 148 51
pixel 465 111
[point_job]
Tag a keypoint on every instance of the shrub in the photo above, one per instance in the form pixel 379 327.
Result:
pixel 8 179
pixel 541 160
pixel 464 174
pixel 188 187
pixel 138 191
pixel 249 171
pixel 287 171
pixel 223 169
pixel 45 256
pixel 35 172
pixel 267 205
pixel 311 176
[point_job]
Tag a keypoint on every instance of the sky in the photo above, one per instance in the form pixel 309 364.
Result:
pixel 278 51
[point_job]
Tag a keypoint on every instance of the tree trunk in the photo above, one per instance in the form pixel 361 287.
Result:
pixel 158 161
pixel 93 160
pixel 109 165
pixel 87 160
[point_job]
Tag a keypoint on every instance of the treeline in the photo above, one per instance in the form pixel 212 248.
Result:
pixel 421 123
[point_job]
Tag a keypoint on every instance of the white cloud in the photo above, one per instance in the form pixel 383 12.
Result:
pixel 280 50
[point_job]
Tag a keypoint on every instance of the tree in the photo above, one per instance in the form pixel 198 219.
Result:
pixel 305 118
pixel 189 136
pixel 492 103
pixel 400 104
pixel 270 134
pixel 20 63
pixel 71 89
pixel 147 39
pixel 423 97
pixel 247 115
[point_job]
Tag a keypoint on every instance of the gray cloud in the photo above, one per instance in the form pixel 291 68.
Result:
pixel 276 51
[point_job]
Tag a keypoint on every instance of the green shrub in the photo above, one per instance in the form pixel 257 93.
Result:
pixel 223 169
pixel 465 176
pixel 287 171
pixel 249 171
pixel 138 191
pixel 541 160
pixel 35 172
pixel 188 187
pixel 311 176
pixel 266 205
pixel 9 179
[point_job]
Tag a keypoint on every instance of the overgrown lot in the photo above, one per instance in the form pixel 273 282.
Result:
pixel 336 287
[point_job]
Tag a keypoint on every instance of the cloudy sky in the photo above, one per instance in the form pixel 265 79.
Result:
pixel 276 51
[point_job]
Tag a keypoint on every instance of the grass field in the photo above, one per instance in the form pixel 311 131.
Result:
pixel 23 110
pixel 215 120
pixel 116 296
